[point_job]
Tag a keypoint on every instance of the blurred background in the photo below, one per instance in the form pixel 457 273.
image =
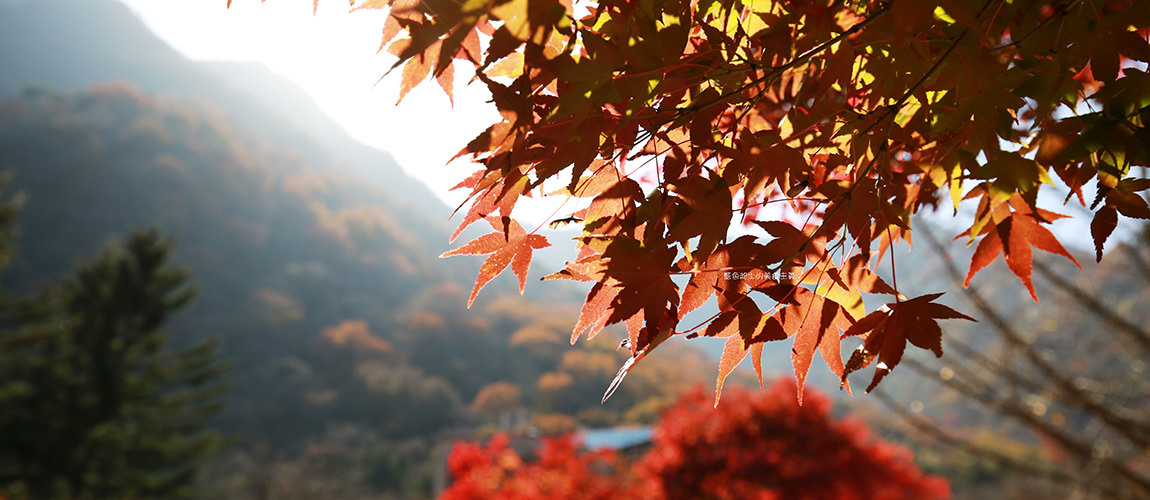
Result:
pixel 221 280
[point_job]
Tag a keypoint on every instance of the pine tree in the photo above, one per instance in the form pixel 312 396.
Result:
pixel 93 403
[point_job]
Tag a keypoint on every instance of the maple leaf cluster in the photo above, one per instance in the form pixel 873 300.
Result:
pixel 753 446
pixel 728 142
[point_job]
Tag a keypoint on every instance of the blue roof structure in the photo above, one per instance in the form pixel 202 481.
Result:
pixel 614 438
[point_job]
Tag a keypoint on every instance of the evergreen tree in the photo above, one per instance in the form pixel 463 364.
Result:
pixel 93 404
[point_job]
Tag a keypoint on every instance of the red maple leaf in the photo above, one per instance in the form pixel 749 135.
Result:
pixel 888 329
pixel 707 204
pixel 815 323
pixel 1105 220
pixel 595 312
pixel 734 351
pixel 731 267
pixel 641 274
pixel 1121 199
pixel 511 248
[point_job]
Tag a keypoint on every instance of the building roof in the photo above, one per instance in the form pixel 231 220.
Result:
pixel 614 438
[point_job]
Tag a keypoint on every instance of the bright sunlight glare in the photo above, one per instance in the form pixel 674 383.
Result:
pixel 333 57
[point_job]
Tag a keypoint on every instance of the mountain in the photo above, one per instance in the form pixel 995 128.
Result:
pixel 270 91
pixel 72 44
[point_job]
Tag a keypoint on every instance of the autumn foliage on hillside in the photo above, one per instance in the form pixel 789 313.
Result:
pixel 770 153
pixel 753 446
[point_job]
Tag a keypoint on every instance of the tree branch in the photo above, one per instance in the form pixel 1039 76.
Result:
pixel 1094 306
pixel 929 428
pixel 1082 450
pixel 1133 430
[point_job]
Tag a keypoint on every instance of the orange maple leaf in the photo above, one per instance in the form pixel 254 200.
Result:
pixel 1013 237
pixel 511 248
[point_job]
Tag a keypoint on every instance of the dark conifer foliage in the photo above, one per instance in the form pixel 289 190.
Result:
pixel 93 401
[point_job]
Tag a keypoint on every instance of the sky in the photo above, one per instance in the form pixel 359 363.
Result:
pixel 333 56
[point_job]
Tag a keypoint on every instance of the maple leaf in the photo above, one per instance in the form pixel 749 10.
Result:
pixel 1121 199
pixel 1014 236
pixel 887 330
pixel 1104 222
pixel 709 214
pixel 596 311
pixel 751 324
pixel 791 243
pixel 815 323
pixel 414 71
pixel 643 279
pixel 854 206
pixel 499 196
pixel 846 284
pixel 732 266
pixel 734 352
pixel 612 210
pixel 765 162
pixel 508 246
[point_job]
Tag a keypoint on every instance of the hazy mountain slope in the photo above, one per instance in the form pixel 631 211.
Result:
pixel 332 307
pixel 74 43
pixel 271 91
pixel 71 44
pixel 326 289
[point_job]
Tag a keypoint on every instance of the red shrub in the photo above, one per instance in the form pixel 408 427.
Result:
pixel 754 446
pixel 761 445
pixel 496 471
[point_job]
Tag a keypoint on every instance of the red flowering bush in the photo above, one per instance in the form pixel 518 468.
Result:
pixel 754 446
pixel 761 445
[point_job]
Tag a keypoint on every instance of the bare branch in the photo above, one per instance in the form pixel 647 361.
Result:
pixel 1123 325
pixel 1083 450
pixel 1133 430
